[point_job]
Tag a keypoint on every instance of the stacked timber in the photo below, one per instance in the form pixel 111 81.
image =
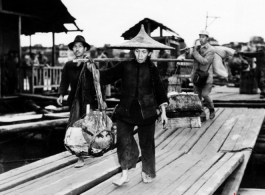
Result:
pixel 184 110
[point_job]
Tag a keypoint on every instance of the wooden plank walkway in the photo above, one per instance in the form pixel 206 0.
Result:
pixel 189 161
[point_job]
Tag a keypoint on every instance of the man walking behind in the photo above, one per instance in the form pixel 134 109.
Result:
pixel 204 56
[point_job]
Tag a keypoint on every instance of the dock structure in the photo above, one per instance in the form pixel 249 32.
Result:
pixel 188 161
pixel 224 96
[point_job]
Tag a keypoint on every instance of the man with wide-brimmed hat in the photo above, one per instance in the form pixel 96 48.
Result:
pixel 203 54
pixel 142 93
pixel 80 80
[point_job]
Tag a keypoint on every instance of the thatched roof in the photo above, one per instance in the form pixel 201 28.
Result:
pixel 47 15
pixel 133 31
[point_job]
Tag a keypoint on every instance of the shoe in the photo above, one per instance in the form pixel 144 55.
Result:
pixel 212 114
pixel 146 178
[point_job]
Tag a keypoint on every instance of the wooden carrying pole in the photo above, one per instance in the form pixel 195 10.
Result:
pixel 128 59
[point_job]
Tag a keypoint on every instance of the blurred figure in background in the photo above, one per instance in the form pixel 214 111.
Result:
pixel 260 68
pixel 43 60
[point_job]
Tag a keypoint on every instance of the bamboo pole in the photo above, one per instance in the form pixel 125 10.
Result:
pixel 128 59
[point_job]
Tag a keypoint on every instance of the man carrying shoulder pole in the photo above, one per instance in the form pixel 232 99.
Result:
pixel 204 56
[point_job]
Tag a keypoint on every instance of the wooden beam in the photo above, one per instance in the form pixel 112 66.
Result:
pixel 30 45
pixel 154 60
pixel 248 191
pixel 148 29
pixel 32 126
pixel 20 80
pixel 1 50
pixel 53 48
pixel 19 14
pixel 234 180
pixel 37 96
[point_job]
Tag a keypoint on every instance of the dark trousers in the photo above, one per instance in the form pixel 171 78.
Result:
pixel 127 148
pixel 203 92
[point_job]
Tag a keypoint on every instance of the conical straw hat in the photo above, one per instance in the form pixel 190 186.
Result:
pixel 142 40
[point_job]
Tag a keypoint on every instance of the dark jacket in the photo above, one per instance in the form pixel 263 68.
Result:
pixel 70 76
pixel 136 85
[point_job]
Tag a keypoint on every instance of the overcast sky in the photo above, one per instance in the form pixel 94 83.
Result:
pixel 103 21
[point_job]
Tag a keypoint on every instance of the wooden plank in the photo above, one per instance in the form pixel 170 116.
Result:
pixel 170 138
pixel 244 120
pixel 78 178
pixel 193 122
pixel 39 163
pixel 79 182
pixel 20 179
pixel 174 182
pixel 18 118
pixel 197 185
pixel 251 191
pixel 218 177
pixel 32 125
pixel 166 133
pixel 243 133
pixel 249 133
pixel 37 96
pixel 228 131
pixel 26 173
pixel 234 180
pixel 55 175
pixel 196 175
pixel 182 134
pixel 198 134
pixel 176 168
pixel 253 132
pixel 213 129
pixel 177 145
pixel 107 187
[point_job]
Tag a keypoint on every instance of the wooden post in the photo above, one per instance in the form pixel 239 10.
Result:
pixel 20 55
pixel 1 53
pixel 30 47
pixel 32 79
pixel 161 31
pixel 53 48
pixel 148 29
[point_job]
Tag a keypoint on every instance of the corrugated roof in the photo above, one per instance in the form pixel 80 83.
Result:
pixel 51 15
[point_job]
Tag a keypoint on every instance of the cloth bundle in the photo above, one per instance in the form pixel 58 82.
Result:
pixel 183 105
pixel 92 134
pixel 219 67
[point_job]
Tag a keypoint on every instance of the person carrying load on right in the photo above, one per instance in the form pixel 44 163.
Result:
pixel 260 69
pixel 203 55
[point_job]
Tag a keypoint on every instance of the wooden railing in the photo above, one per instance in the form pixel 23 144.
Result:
pixel 49 78
pixel 39 77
